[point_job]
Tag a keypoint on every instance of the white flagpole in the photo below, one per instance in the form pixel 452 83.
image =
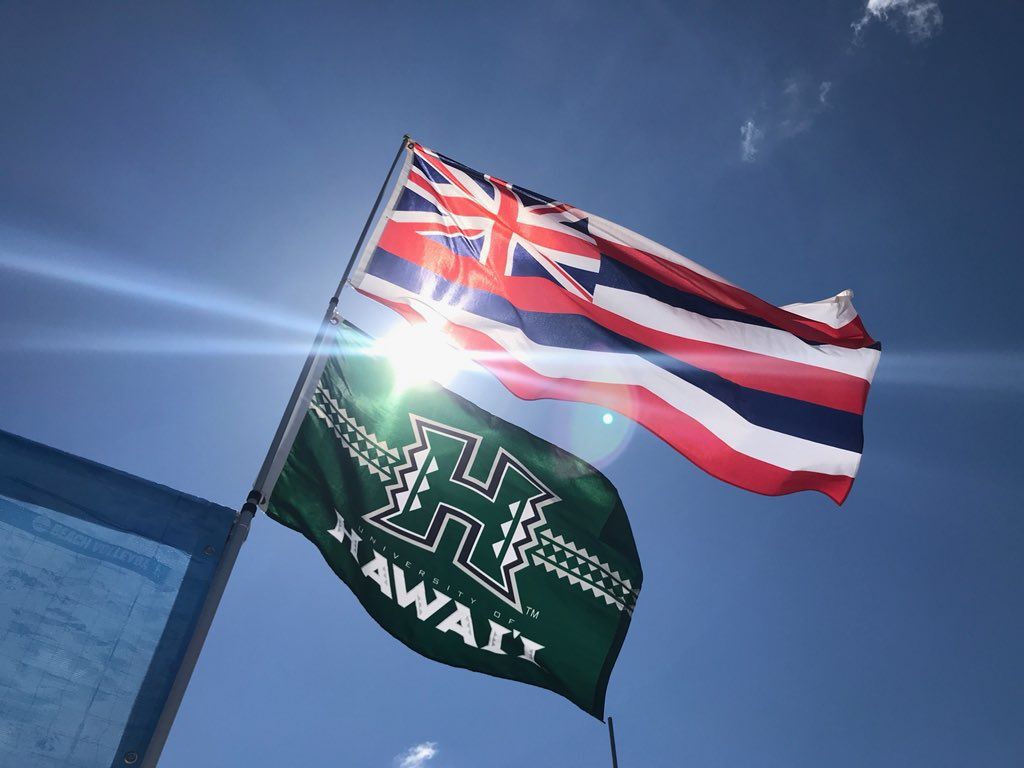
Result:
pixel 280 444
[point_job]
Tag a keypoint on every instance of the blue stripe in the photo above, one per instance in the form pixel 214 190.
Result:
pixel 615 274
pixel 788 415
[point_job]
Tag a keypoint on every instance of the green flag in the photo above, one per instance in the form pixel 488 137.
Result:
pixel 470 540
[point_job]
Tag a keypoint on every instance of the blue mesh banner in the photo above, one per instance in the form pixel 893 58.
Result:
pixel 102 577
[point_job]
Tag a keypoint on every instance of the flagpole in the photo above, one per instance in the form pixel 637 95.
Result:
pixel 329 319
pixel 240 529
pixel 611 741
pixel 236 537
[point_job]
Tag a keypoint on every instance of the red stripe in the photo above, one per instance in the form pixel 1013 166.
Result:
pixel 749 369
pixel 684 433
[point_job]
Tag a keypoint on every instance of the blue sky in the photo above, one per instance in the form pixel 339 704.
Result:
pixel 180 186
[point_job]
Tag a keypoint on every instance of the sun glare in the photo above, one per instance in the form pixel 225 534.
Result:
pixel 419 354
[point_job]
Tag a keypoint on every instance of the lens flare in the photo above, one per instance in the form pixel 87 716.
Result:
pixel 597 436
pixel 68 264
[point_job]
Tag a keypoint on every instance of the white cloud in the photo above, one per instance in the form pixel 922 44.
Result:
pixel 823 91
pixel 793 115
pixel 786 114
pixel 791 109
pixel 921 19
pixel 417 756
pixel 752 136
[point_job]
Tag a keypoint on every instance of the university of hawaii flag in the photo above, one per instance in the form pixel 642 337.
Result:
pixel 467 538
pixel 560 303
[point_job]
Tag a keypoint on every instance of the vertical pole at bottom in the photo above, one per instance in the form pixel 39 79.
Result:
pixel 237 536
pixel 258 495
pixel 611 741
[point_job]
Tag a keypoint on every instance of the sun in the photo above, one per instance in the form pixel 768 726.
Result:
pixel 419 354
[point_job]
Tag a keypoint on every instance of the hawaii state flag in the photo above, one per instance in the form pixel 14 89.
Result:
pixel 559 303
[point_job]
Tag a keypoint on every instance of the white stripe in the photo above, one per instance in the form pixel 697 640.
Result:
pixel 609 230
pixel 659 316
pixel 834 312
pixel 785 451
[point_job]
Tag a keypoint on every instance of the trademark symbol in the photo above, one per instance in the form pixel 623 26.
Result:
pixel 533 613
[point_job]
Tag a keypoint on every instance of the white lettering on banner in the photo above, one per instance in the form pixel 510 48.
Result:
pixel 498 633
pixel 460 621
pixel 340 532
pixel 418 595
pixel 377 570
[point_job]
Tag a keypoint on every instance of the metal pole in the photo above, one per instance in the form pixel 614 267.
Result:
pixel 232 545
pixel 325 324
pixel 611 740
pixel 240 529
